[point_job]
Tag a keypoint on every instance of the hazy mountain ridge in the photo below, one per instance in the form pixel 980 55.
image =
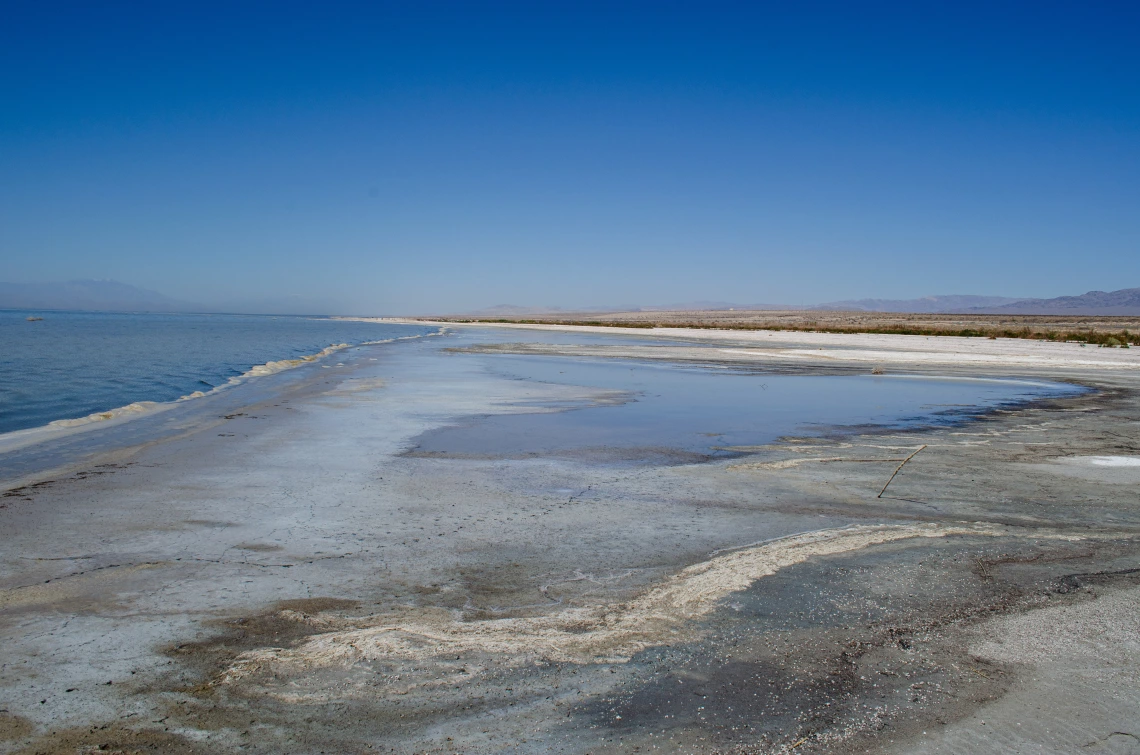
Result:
pixel 110 295
pixel 91 296
pixel 926 304
pixel 1122 302
pixel 512 310
pixel 1125 301
pixel 114 296
pixel 923 305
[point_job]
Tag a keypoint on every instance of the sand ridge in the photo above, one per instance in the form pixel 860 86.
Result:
pixel 585 634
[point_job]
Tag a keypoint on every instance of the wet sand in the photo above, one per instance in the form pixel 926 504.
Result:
pixel 284 576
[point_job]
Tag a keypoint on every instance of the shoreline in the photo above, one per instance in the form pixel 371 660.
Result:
pixel 1111 330
pixel 855 348
pixel 291 562
pixel 18 439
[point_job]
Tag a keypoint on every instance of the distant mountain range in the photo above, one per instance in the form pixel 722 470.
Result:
pixel 113 296
pixel 513 311
pixel 1126 301
pixel 927 304
pixel 1123 302
pixel 90 296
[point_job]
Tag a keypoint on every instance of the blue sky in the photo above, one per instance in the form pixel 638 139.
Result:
pixel 415 157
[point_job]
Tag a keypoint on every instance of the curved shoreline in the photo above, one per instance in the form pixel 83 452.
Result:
pixel 839 349
pixel 17 439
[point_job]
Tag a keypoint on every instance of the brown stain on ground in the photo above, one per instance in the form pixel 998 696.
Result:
pixel 317 605
pixel 83 590
pixel 111 739
pixel 14 727
pixel 282 626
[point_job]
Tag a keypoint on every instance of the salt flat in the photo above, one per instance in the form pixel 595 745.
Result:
pixel 290 575
pixel 764 345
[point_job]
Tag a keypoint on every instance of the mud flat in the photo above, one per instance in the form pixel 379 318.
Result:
pixel 321 570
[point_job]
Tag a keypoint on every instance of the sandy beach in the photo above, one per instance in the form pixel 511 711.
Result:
pixel 277 569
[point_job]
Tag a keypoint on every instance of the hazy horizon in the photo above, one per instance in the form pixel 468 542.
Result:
pixel 302 305
pixel 440 158
pixel 115 296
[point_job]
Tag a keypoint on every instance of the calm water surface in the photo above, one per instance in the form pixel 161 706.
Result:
pixel 72 364
pixel 705 412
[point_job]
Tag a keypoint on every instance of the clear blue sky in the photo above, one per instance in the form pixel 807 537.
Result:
pixel 419 156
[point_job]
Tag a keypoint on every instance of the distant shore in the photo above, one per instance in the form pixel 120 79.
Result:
pixel 1109 330
pixel 848 350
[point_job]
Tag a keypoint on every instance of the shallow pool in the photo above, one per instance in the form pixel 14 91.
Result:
pixel 685 413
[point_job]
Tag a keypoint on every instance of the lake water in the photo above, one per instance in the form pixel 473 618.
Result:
pixel 683 413
pixel 73 364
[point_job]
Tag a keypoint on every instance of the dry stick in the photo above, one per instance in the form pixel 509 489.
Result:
pixel 884 490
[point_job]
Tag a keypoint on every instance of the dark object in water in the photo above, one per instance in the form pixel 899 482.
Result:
pixel 34 319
